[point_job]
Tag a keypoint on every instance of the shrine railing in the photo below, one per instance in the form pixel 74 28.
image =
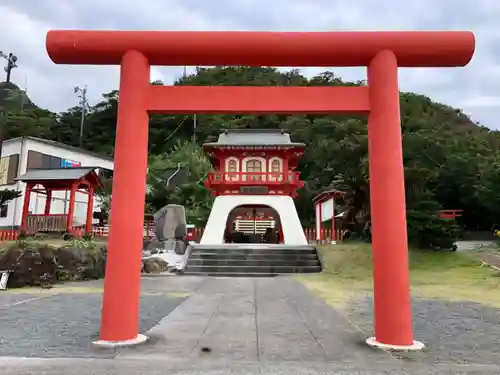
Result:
pixel 194 234
pixel 269 178
pixel 46 223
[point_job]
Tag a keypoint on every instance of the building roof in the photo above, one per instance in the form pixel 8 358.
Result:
pixel 327 194
pixel 59 174
pixel 254 137
pixel 63 145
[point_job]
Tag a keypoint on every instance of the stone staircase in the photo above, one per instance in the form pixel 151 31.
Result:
pixel 252 260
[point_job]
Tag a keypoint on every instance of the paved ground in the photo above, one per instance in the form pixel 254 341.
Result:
pixel 491 258
pixel 475 245
pixel 62 322
pixel 461 333
pixel 242 319
pixel 265 326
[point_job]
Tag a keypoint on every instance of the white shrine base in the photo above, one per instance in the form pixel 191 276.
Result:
pixel 293 232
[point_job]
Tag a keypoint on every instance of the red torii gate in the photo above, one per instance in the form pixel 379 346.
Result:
pixel 381 52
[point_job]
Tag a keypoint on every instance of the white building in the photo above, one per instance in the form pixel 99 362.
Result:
pixel 27 153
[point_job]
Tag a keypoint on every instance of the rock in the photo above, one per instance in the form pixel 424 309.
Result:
pixel 29 266
pixel 80 263
pixel 170 222
pixel 43 266
pixel 154 265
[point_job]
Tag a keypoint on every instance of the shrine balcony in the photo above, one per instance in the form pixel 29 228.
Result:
pixel 253 178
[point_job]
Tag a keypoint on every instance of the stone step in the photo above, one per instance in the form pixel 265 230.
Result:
pixel 229 274
pixel 252 269
pixel 253 262
pixel 239 256
pixel 257 251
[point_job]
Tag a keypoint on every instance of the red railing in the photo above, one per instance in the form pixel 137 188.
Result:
pixel 194 234
pixel 46 223
pixel 450 214
pixel 250 178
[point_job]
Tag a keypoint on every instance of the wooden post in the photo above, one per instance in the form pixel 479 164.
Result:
pixel 48 201
pixel 333 237
pixel 90 209
pixel 26 205
pixel 71 208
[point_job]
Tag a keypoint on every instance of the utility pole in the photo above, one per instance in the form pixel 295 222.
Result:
pixel 194 128
pixel 195 119
pixel 82 95
pixel 11 63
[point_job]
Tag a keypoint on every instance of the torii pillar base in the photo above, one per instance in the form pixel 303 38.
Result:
pixel 415 347
pixel 140 339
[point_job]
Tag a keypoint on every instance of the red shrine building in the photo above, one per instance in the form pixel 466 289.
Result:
pixel 254 182
pixel 56 182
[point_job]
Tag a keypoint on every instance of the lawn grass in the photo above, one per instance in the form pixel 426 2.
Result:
pixel 446 276
pixel 50 242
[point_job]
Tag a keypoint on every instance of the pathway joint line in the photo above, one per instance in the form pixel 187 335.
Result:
pixel 17 303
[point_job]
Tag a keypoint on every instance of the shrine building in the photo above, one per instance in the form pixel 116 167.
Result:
pixel 255 169
pixel 29 160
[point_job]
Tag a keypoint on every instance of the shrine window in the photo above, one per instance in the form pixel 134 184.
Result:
pixel 254 165
pixel 232 169
pixel 4 210
pixel 232 165
pixel 275 166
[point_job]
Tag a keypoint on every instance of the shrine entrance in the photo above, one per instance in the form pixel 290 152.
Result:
pixel 381 52
pixel 253 224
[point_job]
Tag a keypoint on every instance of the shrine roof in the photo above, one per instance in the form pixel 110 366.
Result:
pixel 61 174
pixel 254 137
pixel 326 194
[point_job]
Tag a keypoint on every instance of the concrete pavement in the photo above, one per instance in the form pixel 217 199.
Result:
pixel 241 326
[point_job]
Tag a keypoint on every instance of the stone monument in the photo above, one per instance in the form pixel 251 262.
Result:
pixel 170 231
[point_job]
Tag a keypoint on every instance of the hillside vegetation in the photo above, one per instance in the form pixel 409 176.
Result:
pixel 450 162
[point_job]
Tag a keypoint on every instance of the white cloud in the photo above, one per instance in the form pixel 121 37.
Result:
pixel 473 88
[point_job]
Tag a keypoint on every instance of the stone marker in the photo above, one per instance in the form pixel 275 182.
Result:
pixel 170 222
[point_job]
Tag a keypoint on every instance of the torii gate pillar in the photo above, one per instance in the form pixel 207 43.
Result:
pixel 381 52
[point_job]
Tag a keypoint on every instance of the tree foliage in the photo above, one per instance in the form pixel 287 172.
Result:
pixel 7 195
pixel 450 161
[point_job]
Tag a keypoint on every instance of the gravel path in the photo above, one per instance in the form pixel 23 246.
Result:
pixel 493 259
pixel 64 325
pixel 252 326
pixel 459 333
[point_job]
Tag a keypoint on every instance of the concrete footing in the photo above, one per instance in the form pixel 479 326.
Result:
pixel 140 339
pixel 416 346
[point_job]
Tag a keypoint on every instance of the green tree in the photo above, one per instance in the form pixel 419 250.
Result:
pixel 192 194
pixel 450 162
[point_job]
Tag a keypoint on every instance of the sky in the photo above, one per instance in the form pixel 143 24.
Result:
pixel 474 88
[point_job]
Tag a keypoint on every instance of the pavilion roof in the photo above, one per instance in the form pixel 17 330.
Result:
pixel 254 137
pixel 61 175
pixel 328 193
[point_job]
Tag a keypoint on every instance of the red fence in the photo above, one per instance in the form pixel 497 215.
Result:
pixel 194 234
